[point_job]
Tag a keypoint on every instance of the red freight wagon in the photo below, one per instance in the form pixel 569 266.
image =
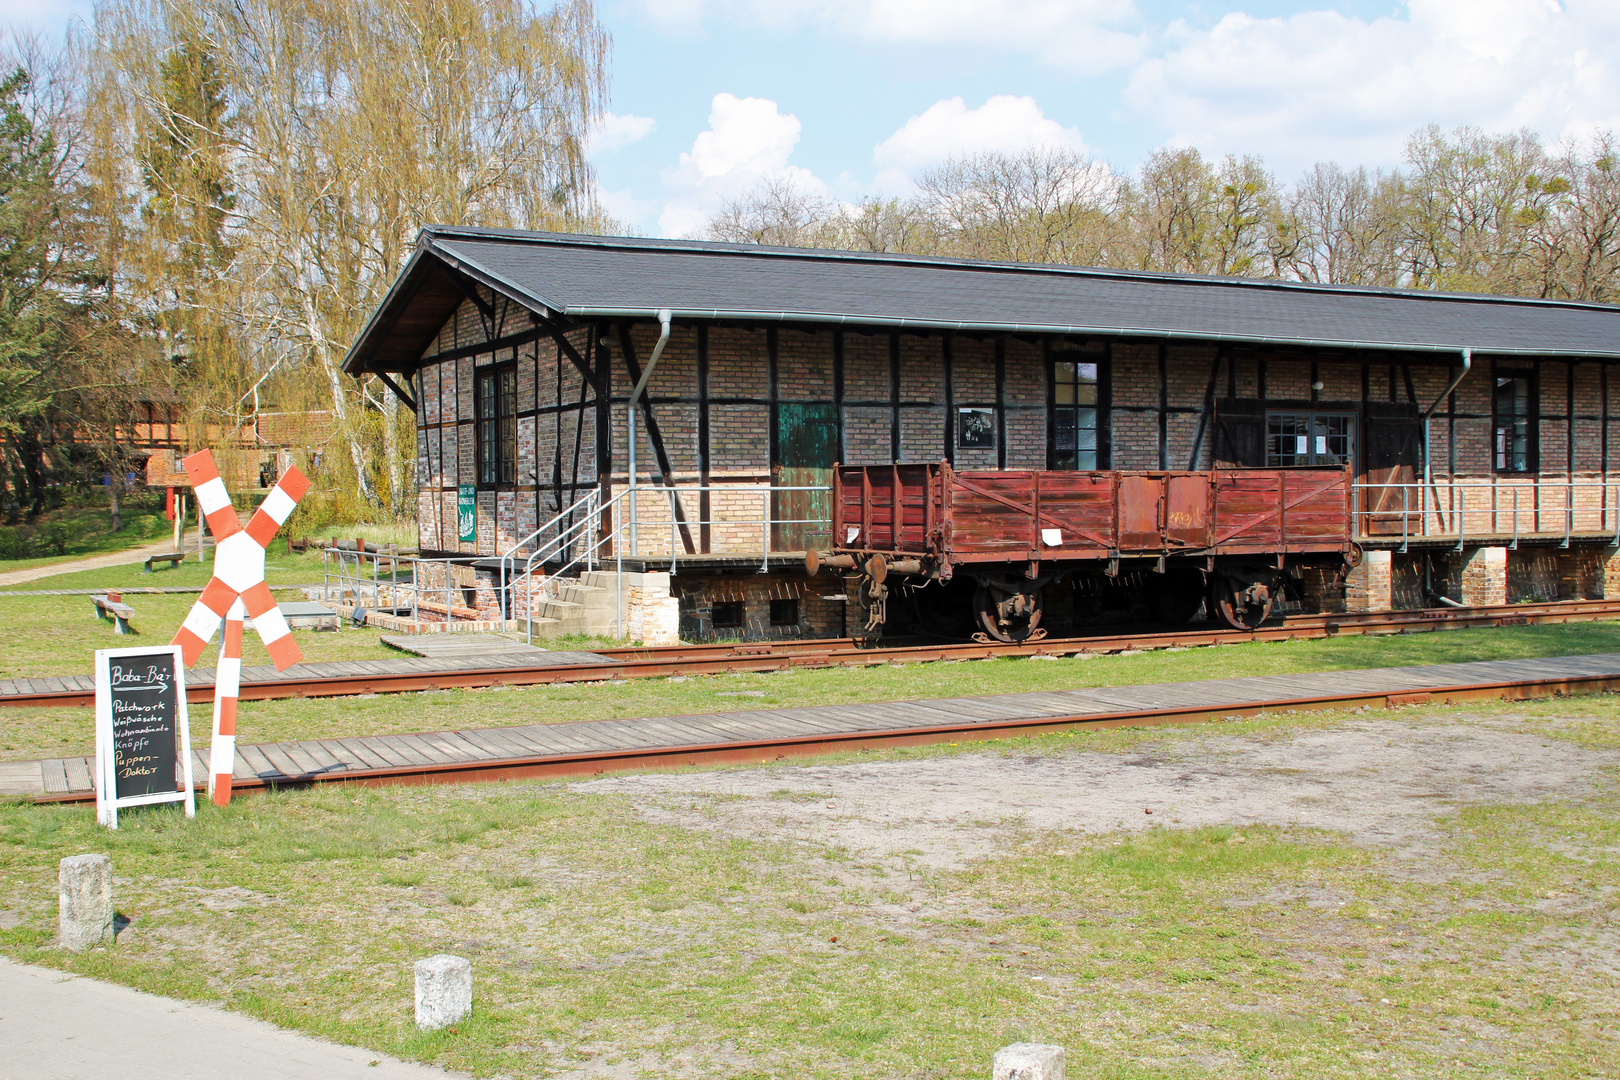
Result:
pixel 1229 534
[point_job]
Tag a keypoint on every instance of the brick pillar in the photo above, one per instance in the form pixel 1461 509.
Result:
pixel 1484 576
pixel 1370 584
pixel 1608 575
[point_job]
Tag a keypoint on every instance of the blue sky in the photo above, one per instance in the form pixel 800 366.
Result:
pixel 853 97
pixel 856 97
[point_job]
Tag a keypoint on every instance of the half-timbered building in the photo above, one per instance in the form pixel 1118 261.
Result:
pixel 1483 432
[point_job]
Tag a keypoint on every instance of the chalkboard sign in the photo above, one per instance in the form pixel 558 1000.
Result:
pixel 143 739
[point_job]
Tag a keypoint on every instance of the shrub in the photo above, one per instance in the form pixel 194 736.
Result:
pixel 13 543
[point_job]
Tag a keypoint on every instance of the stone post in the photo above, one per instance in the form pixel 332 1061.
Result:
pixel 1370 585
pixel 652 616
pixel 1027 1061
pixel 84 905
pixel 1484 576
pixel 443 991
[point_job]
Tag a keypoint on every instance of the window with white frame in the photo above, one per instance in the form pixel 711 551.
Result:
pixel 1309 438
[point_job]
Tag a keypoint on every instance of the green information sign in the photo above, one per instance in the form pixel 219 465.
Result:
pixel 467 512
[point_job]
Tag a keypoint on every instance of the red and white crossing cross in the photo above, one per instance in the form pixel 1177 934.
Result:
pixel 239 563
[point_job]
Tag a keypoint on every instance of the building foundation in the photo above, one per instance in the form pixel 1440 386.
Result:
pixel 1369 586
pixel 1484 576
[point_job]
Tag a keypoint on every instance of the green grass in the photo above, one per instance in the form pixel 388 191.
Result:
pixel 84 529
pixel 600 934
pixel 64 632
pixel 280 569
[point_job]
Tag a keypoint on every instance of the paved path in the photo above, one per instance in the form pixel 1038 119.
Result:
pixel 96 562
pixel 649 741
pixel 64 1027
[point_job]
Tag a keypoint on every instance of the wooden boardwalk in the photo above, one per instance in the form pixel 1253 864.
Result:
pixel 665 741
pixel 523 657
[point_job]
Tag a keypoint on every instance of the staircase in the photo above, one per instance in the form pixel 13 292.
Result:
pixel 582 605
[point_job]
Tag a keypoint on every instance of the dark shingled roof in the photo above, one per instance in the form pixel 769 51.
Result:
pixel 589 276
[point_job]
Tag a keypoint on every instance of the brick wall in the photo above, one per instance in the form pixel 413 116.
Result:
pixel 740 417
pixel 817 617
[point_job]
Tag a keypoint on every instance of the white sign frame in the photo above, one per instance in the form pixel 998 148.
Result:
pixel 107 802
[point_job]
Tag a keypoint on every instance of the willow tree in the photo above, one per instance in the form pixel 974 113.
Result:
pixel 349 125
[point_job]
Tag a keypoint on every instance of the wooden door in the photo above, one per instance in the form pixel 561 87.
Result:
pixel 1240 434
pixel 806 447
pixel 1393 456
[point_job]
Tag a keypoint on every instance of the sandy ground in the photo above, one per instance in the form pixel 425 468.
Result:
pixel 1381 782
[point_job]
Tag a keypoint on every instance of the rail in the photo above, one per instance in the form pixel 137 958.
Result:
pixel 657 662
pixel 1493 509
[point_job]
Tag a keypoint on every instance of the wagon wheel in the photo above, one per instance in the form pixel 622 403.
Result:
pixel 1015 617
pixel 1242 606
pixel 1174 597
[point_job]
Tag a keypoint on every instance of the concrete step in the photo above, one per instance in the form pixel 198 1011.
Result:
pixel 561 610
pixel 576 593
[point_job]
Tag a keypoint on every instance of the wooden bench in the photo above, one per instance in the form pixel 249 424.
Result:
pixel 173 558
pixel 118 613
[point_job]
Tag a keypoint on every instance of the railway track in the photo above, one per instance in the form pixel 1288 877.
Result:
pixel 657 662
pixel 594 748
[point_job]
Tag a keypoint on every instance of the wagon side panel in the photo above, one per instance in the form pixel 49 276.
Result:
pixel 992 515
pixel 1077 515
pixel 1281 510
pixel 882 508
pixel 1317 510
pixel 1247 511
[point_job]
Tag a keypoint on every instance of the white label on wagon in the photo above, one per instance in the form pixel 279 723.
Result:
pixel 854 531
pixel 1052 537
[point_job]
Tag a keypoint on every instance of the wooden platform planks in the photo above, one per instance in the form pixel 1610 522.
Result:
pixel 534 743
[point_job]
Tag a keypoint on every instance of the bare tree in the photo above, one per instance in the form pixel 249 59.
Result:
pixel 777 212
pixel 351 124
pixel 1476 206
pixel 1581 258
pixel 1347 226
pixel 1046 204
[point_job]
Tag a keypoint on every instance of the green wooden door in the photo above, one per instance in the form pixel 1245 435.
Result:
pixel 806 447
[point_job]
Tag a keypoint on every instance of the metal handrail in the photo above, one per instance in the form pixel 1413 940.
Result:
pixel 412 589
pixel 1447 508
pixel 588 533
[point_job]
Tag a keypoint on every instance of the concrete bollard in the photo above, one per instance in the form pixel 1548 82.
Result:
pixel 443 991
pixel 84 905
pixel 1027 1061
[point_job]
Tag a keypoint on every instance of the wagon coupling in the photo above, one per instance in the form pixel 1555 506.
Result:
pixel 814 560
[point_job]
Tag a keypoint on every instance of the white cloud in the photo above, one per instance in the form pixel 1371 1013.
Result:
pixel 610 132
pixel 1320 85
pixel 1095 34
pixel 748 139
pixel 948 128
